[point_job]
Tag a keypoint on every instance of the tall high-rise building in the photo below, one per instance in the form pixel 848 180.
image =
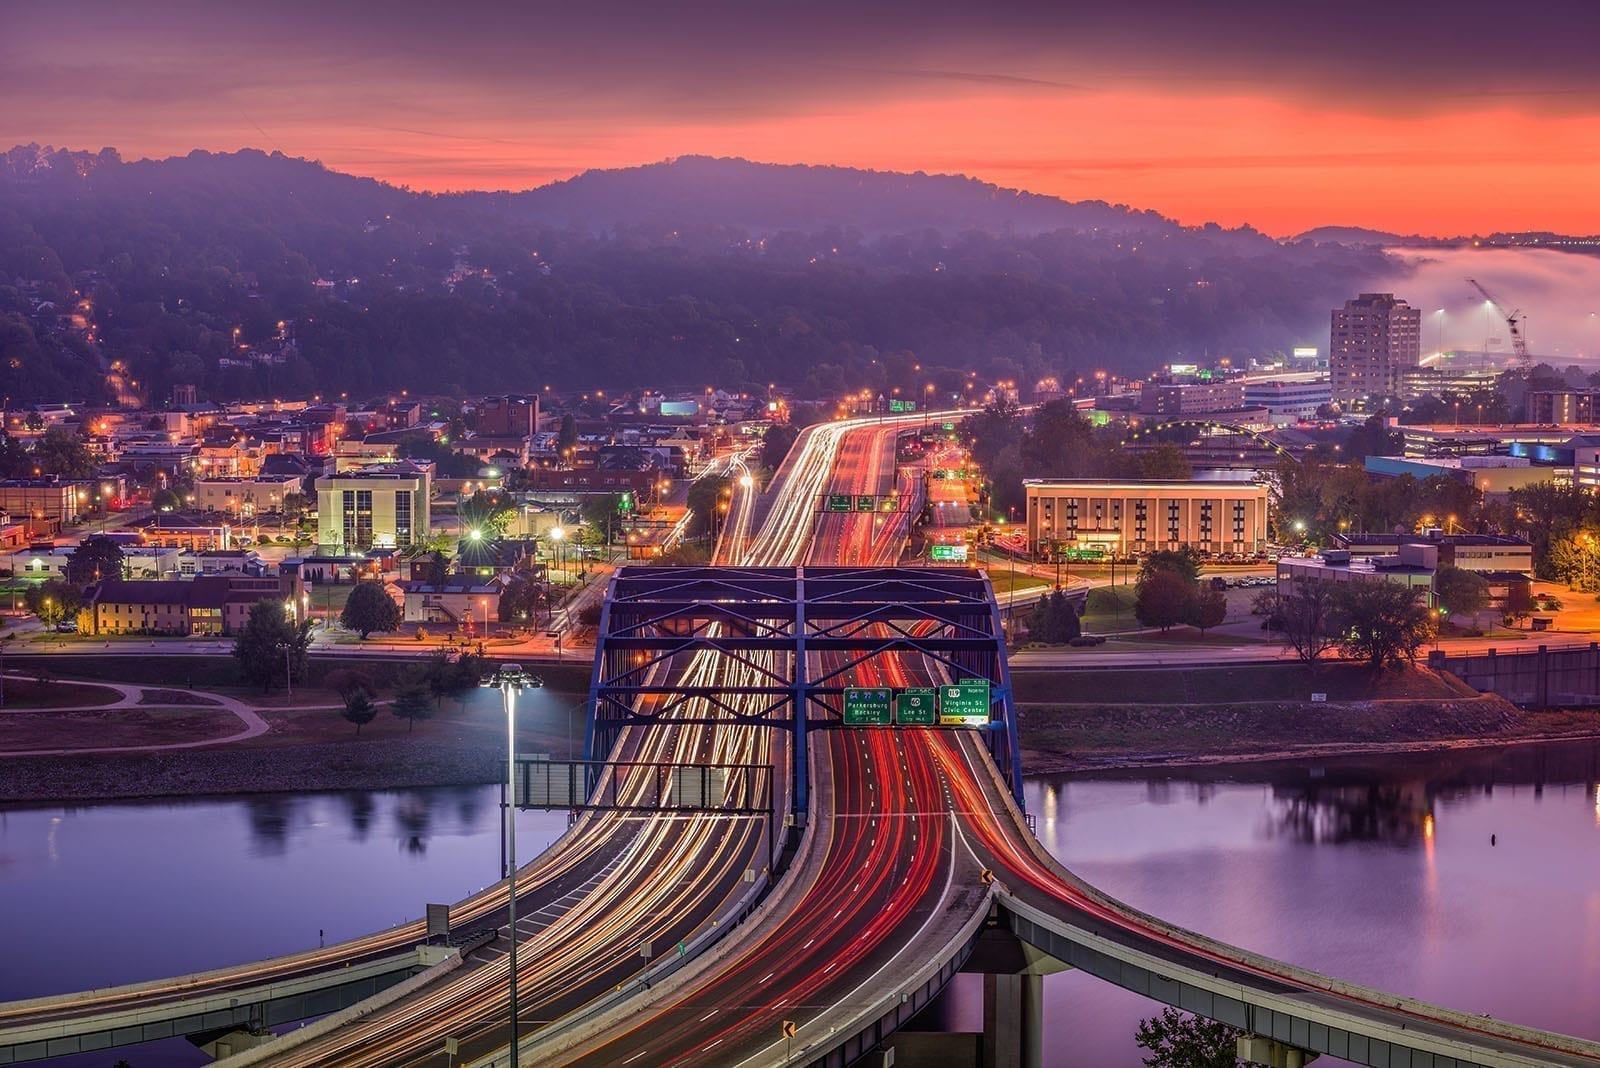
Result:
pixel 1375 339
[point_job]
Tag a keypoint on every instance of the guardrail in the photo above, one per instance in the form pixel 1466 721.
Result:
pixel 868 1027
pixel 230 1008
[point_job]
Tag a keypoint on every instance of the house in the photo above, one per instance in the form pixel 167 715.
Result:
pixel 466 600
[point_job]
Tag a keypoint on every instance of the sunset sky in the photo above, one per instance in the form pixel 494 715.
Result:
pixel 1433 118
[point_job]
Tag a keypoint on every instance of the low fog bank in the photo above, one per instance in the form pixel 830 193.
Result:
pixel 1558 294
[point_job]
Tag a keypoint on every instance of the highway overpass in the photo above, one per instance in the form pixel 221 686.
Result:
pixel 913 852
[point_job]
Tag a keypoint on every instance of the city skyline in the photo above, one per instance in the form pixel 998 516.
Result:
pixel 1393 117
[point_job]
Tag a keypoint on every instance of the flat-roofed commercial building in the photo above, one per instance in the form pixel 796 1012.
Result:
pixel 1190 398
pixel 383 506
pixel 1129 518
pixel 1291 398
pixel 244 496
pixel 1483 553
pixel 1414 566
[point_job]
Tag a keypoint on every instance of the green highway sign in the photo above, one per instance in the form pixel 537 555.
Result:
pixel 897 406
pixel 949 426
pixel 910 406
pixel 917 706
pixel 964 704
pixel 951 554
pixel 866 502
pixel 838 502
pixel 867 706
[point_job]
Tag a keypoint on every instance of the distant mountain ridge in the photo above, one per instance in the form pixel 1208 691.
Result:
pixel 690 191
pixel 765 197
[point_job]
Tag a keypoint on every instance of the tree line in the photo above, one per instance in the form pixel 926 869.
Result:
pixel 379 289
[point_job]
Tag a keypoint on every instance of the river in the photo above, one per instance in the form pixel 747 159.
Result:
pixel 1379 871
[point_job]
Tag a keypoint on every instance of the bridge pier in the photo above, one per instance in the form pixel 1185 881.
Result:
pixel 1253 1049
pixel 1013 1021
pixel 220 1044
pixel 1013 996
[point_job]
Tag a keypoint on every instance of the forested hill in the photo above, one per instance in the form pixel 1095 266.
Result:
pixel 257 275
pixel 765 198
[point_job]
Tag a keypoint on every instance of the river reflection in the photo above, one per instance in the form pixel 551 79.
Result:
pixel 1380 871
pixel 98 895
pixel 1467 878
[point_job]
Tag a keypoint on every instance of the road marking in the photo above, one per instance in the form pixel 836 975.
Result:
pixel 708 1015
pixel 633 1058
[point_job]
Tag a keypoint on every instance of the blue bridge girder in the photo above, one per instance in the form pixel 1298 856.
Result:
pixel 804 635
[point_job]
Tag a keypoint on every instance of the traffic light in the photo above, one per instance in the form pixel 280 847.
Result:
pixel 626 503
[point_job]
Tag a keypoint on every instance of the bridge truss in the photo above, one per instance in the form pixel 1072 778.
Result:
pixel 784 645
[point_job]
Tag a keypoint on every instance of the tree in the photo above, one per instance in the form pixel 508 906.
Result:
pixel 1208 608
pixel 358 708
pixel 487 513
pixel 166 500
pixel 1382 623
pixel 53 600
pixel 776 445
pixel 1306 619
pixel 519 601
pixel 270 643
pixel 1054 620
pixel 1166 461
pixel 1179 1041
pixel 370 608
pixel 411 704
pixel 705 495
pixel 1164 599
pixel 1185 563
pixel 63 453
pixel 443 675
pixel 438 568
pixel 346 681
pixel 567 439
pixel 1462 592
pixel 602 512
pixel 1519 600
pixel 1373 438
pixel 96 557
pixel 1575 559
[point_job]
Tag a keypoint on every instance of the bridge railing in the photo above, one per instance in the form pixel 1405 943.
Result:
pixel 1360 997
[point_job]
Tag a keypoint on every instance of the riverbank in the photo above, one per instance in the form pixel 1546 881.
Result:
pixel 1088 720
pixel 1067 724
pixel 302 750
pixel 1123 737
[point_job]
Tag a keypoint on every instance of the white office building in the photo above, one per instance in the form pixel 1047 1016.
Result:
pixel 375 507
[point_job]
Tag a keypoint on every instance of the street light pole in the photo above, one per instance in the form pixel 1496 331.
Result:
pixel 510 680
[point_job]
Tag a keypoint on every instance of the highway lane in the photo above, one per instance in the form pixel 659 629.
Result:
pixel 891 878
pixel 617 851
pixel 670 876
pixel 814 966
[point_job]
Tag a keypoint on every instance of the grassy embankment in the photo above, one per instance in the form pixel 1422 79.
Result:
pixel 1089 718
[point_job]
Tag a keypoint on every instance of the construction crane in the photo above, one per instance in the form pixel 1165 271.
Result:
pixel 1519 344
